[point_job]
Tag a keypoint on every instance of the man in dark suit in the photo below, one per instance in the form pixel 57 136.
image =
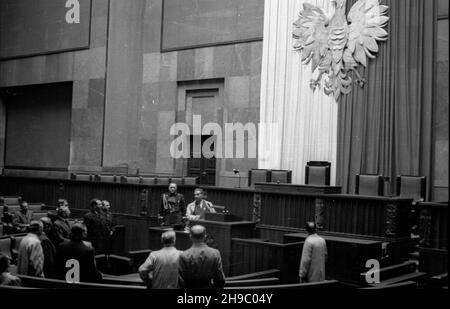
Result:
pixel 200 266
pixel 60 229
pixel 23 217
pixel 48 248
pixel 79 250
pixel 96 226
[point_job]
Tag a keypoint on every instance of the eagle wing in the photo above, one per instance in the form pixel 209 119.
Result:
pixel 311 34
pixel 367 19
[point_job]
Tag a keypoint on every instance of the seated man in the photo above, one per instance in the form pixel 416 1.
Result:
pixel 23 217
pixel 5 276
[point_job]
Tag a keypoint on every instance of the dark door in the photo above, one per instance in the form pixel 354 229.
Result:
pixel 200 166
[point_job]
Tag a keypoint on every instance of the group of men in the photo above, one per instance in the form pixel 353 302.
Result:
pixel 199 267
pixel 174 211
pixel 53 240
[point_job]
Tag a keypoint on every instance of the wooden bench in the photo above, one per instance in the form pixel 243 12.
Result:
pixel 253 282
pixel 401 285
pixel 37 282
pixel 293 286
pixel 271 273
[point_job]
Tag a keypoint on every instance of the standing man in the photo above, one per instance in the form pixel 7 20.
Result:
pixel 173 207
pixel 314 255
pixel 96 226
pixel 61 227
pixel 48 248
pixel 109 226
pixel 30 261
pixel 160 270
pixel 23 217
pixel 77 249
pixel 198 208
pixel 200 266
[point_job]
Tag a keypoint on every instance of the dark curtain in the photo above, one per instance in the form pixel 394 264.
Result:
pixel 386 127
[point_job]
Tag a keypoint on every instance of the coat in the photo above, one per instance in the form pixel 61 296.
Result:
pixel 314 254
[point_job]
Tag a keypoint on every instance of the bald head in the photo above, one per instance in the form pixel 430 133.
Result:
pixel 311 227
pixel 198 233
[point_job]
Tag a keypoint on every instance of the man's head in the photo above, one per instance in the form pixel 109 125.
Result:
pixel 61 203
pixel 198 233
pixel 4 263
pixel 96 204
pixel 63 211
pixel 168 238
pixel 199 194
pixel 310 227
pixel 78 232
pixel 172 187
pixel 47 224
pixel 36 227
pixel 106 205
pixel 23 206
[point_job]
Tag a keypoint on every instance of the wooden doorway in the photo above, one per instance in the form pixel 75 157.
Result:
pixel 200 166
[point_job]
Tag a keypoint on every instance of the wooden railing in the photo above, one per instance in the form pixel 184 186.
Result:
pixel 250 255
pixel 379 217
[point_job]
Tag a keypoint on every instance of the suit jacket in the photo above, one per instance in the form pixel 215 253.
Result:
pixel 30 261
pixel 81 252
pixel 23 218
pixel 60 231
pixel 314 254
pixel 96 230
pixel 201 268
pixel 49 256
pixel 195 212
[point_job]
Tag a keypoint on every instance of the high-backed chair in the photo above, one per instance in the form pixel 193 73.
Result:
pixel 148 181
pixel 131 179
pixel 107 178
pixel 258 175
pixel 83 177
pixel 414 187
pixel 162 180
pixel 369 184
pixel 190 181
pixel 281 176
pixel 177 180
pixel 317 173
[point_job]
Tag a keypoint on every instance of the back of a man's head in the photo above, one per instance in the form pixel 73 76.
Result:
pixel 198 233
pixel 168 238
pixel 311 227
pixel 36 227
pixel 78 232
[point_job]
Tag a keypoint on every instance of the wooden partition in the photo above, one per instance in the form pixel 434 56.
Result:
pixel 252 255
pixel 433 229
pixel 274 213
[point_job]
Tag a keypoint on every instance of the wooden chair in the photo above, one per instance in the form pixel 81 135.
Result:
pixel 258 175
pixel 177 180
pixel 317 173
pixel 281 176
pixel 369 184
pixel 191 181
pixel 162 181
pixel 131 179
pixel 414 187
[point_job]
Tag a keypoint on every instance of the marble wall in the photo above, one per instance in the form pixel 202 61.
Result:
pixel 87 70
pixel 237 66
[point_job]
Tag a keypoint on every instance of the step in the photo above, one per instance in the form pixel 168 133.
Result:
pixel 394 270
pixel 415 276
